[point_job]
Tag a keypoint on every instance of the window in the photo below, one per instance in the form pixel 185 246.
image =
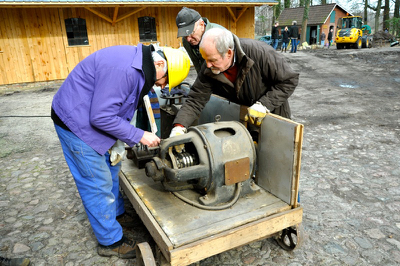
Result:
pixel 76 31
pixel 147 29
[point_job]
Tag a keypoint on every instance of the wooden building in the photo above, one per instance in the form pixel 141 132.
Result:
pixel 44 39
pixel 321 18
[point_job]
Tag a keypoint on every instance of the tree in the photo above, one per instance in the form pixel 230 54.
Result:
pixel 301 4
pixel 366 12
pixel 305 21
pixel 286 3
pixel 386 11
pixel 323 2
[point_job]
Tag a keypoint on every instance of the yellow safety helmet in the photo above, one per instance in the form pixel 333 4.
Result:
pixel 178 63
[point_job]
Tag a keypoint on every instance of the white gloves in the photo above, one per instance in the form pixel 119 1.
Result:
pixel 256 113
pixel 117 152
pixel 176 131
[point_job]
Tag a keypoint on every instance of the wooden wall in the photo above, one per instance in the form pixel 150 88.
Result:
pixel 34 46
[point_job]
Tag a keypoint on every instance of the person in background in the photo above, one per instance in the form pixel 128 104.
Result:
pixel 285 39
pixel 191 27
pixel 294 34
pixel 92 111
pixel 323 36
pixel 330 36
pixel 275 35
pixel 244 71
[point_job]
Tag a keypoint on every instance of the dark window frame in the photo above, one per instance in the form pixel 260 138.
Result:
pixel 76 31
pixel 147 29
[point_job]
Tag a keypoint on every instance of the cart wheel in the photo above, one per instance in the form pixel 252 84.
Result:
pixel 290 238
pixel 144 255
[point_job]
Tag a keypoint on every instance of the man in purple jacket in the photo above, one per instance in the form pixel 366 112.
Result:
pixel 92 110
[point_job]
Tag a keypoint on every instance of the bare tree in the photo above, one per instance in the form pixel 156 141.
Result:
pixel 386 11
pixel 366 12
pixel 323 2
pixel 305 21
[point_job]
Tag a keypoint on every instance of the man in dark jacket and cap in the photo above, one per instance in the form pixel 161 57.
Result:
pixel 191 27
pixel 244 71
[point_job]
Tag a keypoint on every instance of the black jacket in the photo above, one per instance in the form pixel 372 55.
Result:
pixel 285 36
pixel 263 75
pixel 274 33
pixel 294 32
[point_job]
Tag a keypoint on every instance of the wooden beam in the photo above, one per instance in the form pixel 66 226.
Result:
pixel 98 13
pixel 130 13
pixel 231 12
pixel 241 13
pixel 115 15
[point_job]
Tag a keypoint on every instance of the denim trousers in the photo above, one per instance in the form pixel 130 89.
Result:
pixel 294 45
pixel 98 186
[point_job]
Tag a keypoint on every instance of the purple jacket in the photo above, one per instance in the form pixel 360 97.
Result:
pixel 99 97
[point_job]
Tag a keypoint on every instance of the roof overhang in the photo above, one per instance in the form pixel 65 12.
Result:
pixel 149 3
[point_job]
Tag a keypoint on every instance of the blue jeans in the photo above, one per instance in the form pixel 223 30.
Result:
pixel 275 43
pixel 294 45
pixel 285 45
pixel 98 185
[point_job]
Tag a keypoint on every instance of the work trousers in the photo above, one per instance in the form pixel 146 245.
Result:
pixel 98 185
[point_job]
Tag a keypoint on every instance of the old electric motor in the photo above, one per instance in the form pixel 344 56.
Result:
pixel 218 161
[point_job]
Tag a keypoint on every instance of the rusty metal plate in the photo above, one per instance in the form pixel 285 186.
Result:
pixel 237 171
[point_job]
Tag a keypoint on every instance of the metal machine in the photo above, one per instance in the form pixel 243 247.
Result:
pixel 218 161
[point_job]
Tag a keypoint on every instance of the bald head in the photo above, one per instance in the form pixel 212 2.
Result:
pixel 220 39
pixel 217 49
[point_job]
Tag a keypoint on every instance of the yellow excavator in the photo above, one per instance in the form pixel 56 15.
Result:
pixel 352 33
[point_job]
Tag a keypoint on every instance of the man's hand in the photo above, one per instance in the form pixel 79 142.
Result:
pixel 149 139
pixel 176 131
pixel 117 152
pixel 256 113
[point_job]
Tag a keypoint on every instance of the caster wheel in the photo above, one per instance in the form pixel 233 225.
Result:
pixel 144 255
pixel 290 238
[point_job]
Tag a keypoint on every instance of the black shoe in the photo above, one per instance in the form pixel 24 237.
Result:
pixel 14 262
pixel 124 249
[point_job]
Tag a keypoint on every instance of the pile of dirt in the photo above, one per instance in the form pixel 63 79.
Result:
pixel 381 35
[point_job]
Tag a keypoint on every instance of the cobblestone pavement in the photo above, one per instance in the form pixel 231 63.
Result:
pixel 349 183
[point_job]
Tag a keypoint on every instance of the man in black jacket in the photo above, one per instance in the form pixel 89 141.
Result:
pixel 244 71
pixel 275 35
pixel 294 34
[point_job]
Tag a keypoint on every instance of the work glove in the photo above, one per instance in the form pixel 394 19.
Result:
pixel 117 152
pixel 256 113
pixel 176 131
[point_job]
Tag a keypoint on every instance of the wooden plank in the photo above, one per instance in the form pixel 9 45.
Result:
pixel 151 224
pixel 297 159
pixel 235 237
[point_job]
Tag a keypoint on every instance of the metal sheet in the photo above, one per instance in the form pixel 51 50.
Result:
pixel 275 157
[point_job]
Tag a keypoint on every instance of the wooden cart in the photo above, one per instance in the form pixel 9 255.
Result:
pixel 185 234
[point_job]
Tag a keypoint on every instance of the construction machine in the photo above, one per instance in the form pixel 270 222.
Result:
pixel 352 33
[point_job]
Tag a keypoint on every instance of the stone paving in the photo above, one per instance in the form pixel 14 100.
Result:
pixel 349 185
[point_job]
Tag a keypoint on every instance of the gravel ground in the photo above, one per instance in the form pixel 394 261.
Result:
pixel 349 103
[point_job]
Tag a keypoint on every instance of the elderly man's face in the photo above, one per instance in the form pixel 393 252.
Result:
pixel 195 37
pixel 161 75
pixel 214 60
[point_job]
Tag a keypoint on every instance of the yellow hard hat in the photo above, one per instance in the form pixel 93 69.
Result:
pixel 178 66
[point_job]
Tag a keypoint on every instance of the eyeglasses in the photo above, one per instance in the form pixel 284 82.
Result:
pixel 194 30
